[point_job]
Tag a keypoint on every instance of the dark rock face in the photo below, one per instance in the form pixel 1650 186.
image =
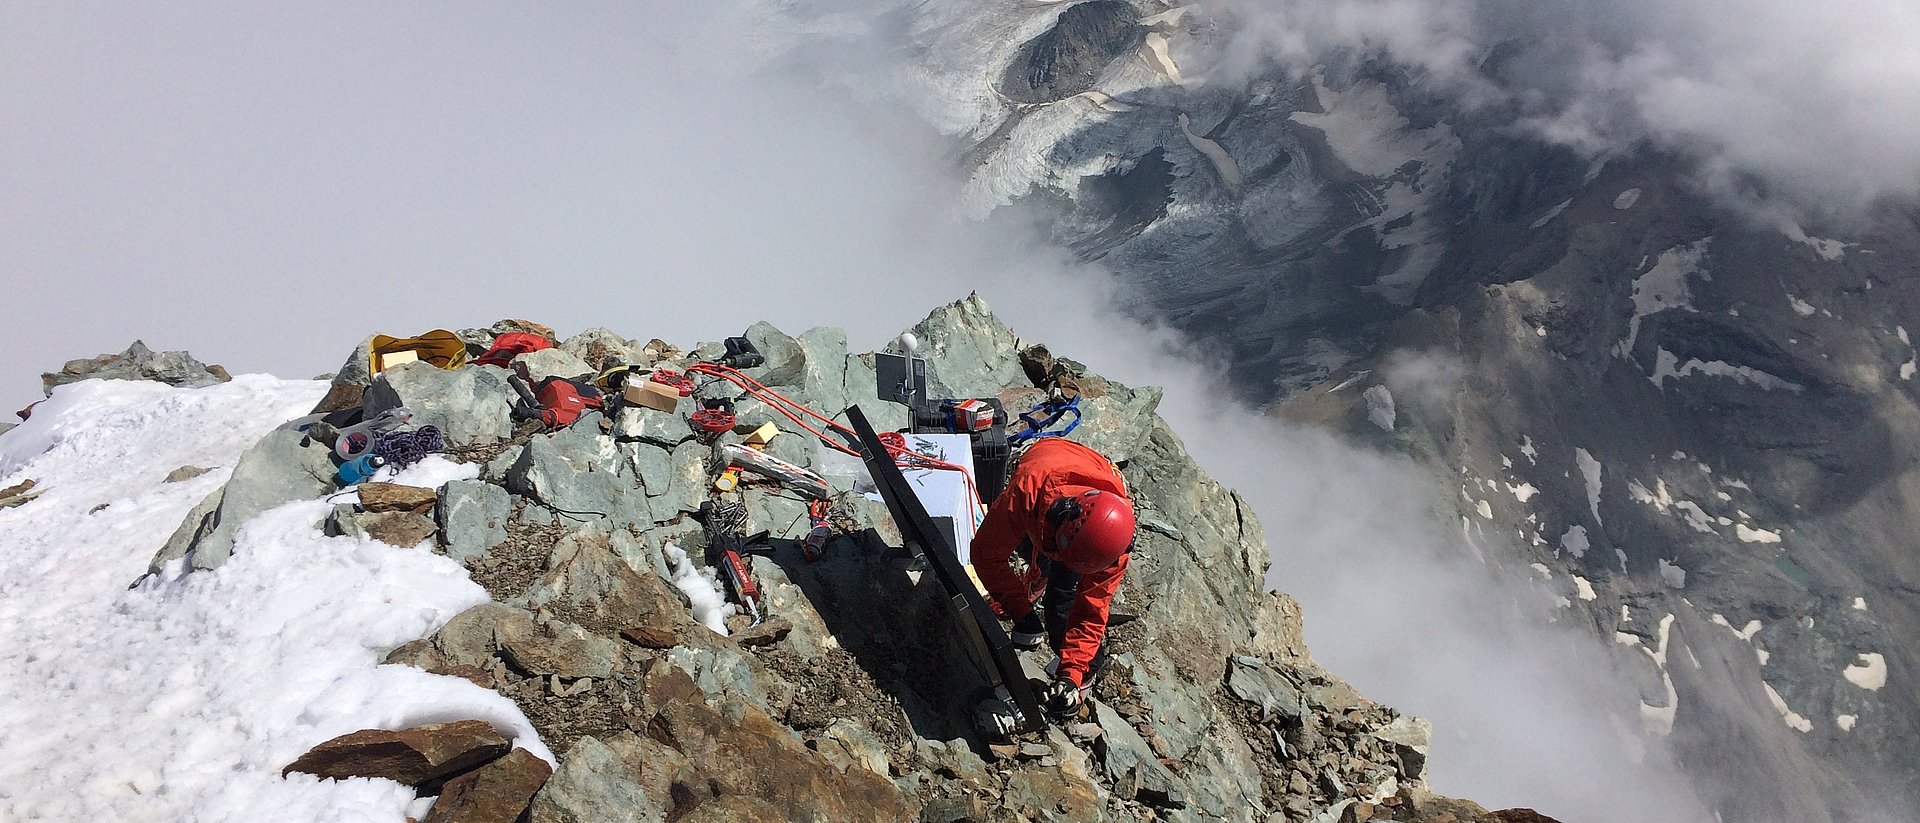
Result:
pixel 174 368
pixel 1066 59
pixel 423 756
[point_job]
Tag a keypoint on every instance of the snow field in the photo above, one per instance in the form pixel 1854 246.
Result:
pixel 181 699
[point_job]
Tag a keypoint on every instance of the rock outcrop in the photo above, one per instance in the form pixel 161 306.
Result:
pixel 174 368
pixel 853 700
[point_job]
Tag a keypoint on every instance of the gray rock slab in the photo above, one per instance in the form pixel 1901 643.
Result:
pixel 652 464
pixel 551 647
pixel 594 346
pixel 472 515
pixel 470 405
pixel 547 363
pixel 823 379
pixel 721 674
pixel 859 744
pixel 595 784
pixel 1123 751
pixel 1256 683
pixel 574 470
pixel 275 470
pixel 969 351
pixel 1118 424
pixel 687 486
pixel 647 425
pixel 786 360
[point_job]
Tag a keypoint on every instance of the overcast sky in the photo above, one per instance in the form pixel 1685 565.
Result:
pixel 265 184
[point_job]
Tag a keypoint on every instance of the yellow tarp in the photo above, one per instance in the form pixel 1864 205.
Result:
pixel 439 347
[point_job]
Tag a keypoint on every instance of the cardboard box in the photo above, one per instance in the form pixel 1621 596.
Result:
pixel 394 358
pixel 656 396
pixel 763 435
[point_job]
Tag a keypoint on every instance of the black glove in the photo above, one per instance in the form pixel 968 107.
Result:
pixel 1062 699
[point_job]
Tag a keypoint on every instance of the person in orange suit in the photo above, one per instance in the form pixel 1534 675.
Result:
pixel 1066 512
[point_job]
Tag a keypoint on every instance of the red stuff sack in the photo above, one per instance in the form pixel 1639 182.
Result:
pixel 511 345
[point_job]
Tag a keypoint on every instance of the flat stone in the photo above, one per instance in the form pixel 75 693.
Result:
pixel 421 756
pixel 651 637
pixel 555 648
pixel 767 632
pixel 495 793
pixel 393 497
pixel 17 494
pixel 1129 761
pixel 178 475
pixel 859 744
pixel 402 528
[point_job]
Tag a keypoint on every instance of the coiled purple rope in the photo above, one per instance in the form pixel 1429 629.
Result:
pixel 402 449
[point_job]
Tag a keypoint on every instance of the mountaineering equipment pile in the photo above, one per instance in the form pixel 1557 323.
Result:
pixel 357 439
pixel 357 446
pixel 725 545
pixel 1008 702
pixel 1054 408
pixel 902 378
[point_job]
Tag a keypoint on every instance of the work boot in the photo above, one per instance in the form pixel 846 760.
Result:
pixel 1029 631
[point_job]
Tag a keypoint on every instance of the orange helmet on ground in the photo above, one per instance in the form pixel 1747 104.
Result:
pixel 1092 529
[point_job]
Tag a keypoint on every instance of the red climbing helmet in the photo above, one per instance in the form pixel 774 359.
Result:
pixel 1092 529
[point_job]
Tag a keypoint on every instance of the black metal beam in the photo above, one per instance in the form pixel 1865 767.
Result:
pixel 986 641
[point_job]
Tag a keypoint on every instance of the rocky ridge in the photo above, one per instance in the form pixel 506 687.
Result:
pixel 851 703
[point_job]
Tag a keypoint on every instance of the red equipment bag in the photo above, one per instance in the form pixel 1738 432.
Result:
pixel 562 401
pixel 511 345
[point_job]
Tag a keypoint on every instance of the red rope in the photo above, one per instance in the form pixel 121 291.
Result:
pixel 893 442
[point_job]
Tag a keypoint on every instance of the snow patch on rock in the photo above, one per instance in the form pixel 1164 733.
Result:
pixel 1590 473
pixel 1870 673
pixel 1664 287
pixel 1794 720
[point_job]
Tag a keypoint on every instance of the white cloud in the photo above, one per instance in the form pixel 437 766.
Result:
pixel 1813 101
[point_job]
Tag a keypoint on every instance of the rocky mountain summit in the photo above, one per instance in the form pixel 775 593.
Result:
pixel 851 701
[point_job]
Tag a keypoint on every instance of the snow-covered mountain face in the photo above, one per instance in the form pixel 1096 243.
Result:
pixel 1692 417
